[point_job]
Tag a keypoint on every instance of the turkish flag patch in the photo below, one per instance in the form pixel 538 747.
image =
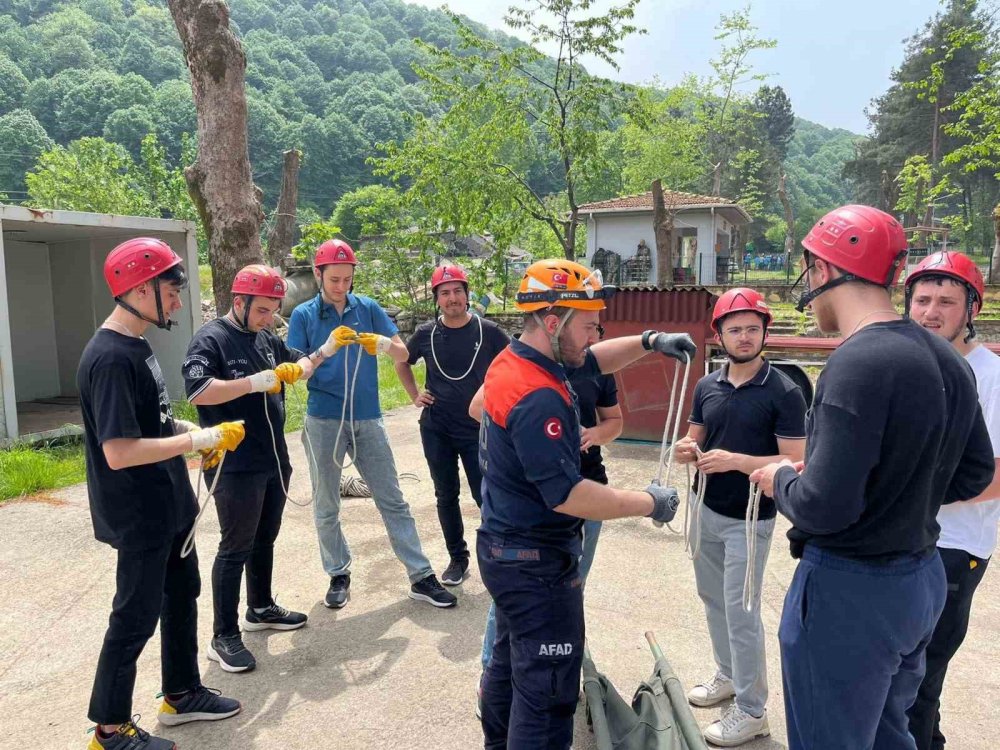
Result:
pixel 553 428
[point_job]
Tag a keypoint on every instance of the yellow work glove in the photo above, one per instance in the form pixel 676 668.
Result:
pixel 288 372
pixel 212 442
pixel 373 343
pixel 266 381
pixel 339 336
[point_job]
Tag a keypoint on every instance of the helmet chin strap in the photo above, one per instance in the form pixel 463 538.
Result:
pixel 554 338
pixel 161 321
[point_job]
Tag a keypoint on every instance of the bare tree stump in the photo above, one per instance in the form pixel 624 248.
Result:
pixel 282 236
pixel 220 181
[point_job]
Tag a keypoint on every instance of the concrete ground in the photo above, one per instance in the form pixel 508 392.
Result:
pixel 385 671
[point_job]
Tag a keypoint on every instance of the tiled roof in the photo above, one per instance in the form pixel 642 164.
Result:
pixel 645 201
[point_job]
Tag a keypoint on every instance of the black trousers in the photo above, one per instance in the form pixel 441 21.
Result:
pixel 249 508
pixel 443 451
pixel 152 585
pixel 964 572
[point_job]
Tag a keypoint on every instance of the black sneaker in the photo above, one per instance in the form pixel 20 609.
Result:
pixel 274 617
pixel 430 591
pixel 455 572
pixel 200 704
pixel 338 593
pixel 231 654
pixel 129 737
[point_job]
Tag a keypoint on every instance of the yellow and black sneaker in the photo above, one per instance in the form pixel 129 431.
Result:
pixel 200 704
pixel 128 736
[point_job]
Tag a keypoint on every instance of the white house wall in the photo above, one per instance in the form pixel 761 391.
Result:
pixel 621 233
pixel 32 322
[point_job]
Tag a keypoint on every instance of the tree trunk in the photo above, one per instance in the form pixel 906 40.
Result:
pixel 995 260
pixel 789 218
pixel 282 236
pixel 663 230
pixel 717 179
pixel 569 248
pixel 220 181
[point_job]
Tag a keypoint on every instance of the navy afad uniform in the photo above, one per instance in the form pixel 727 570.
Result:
pixel 528 551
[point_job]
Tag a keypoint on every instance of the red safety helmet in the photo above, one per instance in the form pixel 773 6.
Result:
pixel 740 300
pixel 260 281
pixel 958 266
pixel 333 252
pixel 951 265
pixel 135 261
pixel 444 274
pixel 862 241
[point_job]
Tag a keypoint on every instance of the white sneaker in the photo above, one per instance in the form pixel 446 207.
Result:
pixel 716 690
pixel 736 727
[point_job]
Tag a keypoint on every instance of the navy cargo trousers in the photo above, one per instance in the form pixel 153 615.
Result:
pixel 531 684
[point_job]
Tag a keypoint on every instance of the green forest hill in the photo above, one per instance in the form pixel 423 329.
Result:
pixel 333 78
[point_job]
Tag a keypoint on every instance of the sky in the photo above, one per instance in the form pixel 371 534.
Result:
pixel 833 56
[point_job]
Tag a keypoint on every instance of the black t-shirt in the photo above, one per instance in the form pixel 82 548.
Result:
pixel 747 420
pixel 221 350
pixel 592 392
pixel 894 430
pixel 122 395
pixel 453 352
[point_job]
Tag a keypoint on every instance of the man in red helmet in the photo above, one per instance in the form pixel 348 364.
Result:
pixel 344 417
pixel 457 349
pixel 745 416
pixel 944 294
pixel 870 585
pixel 233 364
pixel 141 500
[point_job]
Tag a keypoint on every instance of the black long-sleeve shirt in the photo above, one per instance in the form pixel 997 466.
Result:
pixel 894 431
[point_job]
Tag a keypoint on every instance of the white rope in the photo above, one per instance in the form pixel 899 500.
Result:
pixel 750 584
pixel 674 410
pixel 474 355
pixel 189 541
pixel 692 519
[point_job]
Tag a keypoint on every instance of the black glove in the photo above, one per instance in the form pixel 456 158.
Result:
pixel 675 345
pixel 665 503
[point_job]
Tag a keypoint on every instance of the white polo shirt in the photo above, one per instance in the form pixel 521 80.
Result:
pixel 972 527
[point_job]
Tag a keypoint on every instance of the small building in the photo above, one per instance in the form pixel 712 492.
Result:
pixel 52 299
pixel 622 243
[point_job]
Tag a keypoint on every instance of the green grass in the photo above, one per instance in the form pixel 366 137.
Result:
pixel 25 470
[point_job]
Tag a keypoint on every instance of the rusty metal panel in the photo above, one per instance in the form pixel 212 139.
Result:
pixel 644 386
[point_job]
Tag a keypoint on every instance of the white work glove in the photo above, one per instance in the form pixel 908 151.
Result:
pixel 266 380
pixel 665 503
pixel 182 426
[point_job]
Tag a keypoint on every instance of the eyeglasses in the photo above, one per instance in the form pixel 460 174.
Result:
pixel 738 331
pixel 600 331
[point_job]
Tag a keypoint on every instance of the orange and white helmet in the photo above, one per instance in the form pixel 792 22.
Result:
pixel 561 283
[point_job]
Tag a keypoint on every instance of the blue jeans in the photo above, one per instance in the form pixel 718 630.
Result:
pixel 853 636
pixel 373 459
pixel 591 532
pixel 531 685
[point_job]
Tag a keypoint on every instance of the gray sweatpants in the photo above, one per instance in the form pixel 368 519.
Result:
pixel 737 636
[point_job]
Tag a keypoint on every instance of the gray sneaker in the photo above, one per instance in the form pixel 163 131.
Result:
pixel 716 690
pixel 231 654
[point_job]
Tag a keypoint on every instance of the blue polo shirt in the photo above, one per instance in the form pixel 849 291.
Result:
pixel 308 330
pixel 529 449
pixel 747 420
